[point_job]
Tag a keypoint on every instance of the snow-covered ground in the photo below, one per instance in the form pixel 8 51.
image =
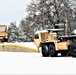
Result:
pixel 34 63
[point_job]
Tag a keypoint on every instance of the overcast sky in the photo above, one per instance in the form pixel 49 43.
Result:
pixel 12 10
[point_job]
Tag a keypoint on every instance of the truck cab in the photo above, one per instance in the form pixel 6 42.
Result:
pixel 40 36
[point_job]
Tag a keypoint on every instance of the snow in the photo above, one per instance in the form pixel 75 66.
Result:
pixel 74 31
pixel 47 2
pixel 34 63
pixel 38 12
pixel 42 31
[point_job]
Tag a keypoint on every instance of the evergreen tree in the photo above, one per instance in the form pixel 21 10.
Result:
pixel 13 32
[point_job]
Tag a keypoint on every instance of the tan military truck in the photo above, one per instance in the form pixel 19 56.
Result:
pixel 54 41
pixel 3 33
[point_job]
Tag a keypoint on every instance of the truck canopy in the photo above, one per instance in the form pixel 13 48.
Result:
pixel 3 28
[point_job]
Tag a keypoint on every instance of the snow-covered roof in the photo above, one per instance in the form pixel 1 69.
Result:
pixel 55 30
pixel 74 31
pixel 42 31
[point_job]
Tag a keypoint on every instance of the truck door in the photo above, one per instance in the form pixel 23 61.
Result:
pixel 37 40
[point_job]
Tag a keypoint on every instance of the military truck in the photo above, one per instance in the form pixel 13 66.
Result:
pixel 61 40
pixel 3 33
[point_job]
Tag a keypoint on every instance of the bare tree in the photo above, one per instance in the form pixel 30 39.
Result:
pixel 45 13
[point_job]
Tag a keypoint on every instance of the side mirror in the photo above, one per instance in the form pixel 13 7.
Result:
pixel 33 36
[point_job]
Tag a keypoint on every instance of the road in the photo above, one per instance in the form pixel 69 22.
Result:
pixel 34 63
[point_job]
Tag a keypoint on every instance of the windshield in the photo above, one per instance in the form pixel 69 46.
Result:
pixel 60 26
pixel 36 36
pixel 2 29
pixel 72 25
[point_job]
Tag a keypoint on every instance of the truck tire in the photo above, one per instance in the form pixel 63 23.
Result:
pixel 45 52
pixel 52 51
pixel 72 50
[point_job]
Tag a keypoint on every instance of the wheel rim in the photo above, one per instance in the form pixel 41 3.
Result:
pixel 51 50
pixel 73 50
pixel 45 50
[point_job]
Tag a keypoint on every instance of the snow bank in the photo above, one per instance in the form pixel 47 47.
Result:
pixel 27 44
